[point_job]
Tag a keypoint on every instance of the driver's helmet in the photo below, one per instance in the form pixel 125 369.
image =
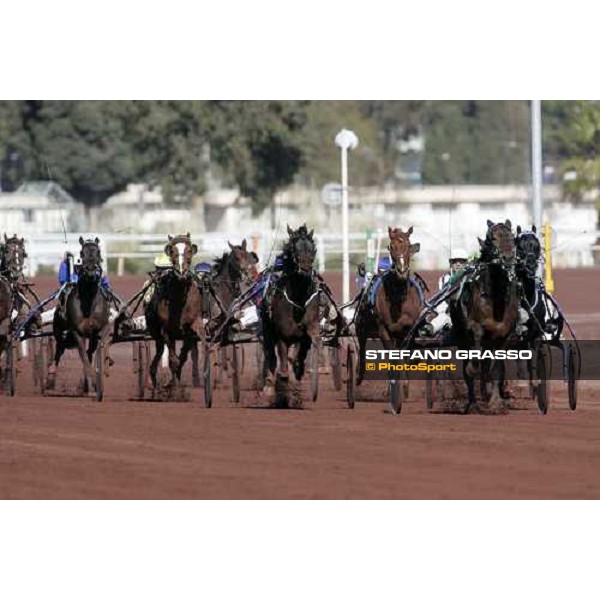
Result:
pixel 385 263
pixel 458 258
pixel 162 261
pixel 279 262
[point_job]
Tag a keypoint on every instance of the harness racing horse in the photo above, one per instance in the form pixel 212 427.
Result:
pixel 12 261
pixel 529 253
pixel 290 311
pixel 83 315
pixel 230 276
pixel 174 311
pixel 485 313
pixel 392 303
pixel 232 273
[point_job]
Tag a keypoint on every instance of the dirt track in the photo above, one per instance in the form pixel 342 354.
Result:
pixel 63 447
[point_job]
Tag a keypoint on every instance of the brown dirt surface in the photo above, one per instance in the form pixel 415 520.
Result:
pixel 70 446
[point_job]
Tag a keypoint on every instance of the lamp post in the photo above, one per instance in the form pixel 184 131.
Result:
pixel 536 161
pixel 345 140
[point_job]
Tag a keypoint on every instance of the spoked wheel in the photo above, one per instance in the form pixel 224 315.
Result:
pixel 139 362
pixel 350 377
pixel 99 372
pixel 396 394
pixel 431 390
pixel 336 367
pixel 573 372
pixel 261 368
pixel 235 373
pixel 314 372
pixel 11 367
pixel 207 374
pixel 41 358
pixel 542 368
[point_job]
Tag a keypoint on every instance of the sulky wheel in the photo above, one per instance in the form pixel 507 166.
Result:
pixel 314 373
pixel 350 377
pixel 396 388
pixel 207 375
pixel 99 371
pixel 542 369
pixel 573 373
pixel 235 373
pixel 139 361
pixel 10 381
pixel 430 391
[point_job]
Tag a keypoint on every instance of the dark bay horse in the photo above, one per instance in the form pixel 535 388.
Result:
pixel 12 262
pixel 82 314
pixel 290 311
pixel 486 312
pixel 529 251
pixel 232 273
pixel 174 311
pixel 393 301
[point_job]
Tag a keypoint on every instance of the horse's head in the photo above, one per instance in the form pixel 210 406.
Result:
pixel 401 250
pixel 180 251
pixel 242 260
pixel 91 257
pixel 14 256
pixel 499 244
pixel 302 249
pixel 529 250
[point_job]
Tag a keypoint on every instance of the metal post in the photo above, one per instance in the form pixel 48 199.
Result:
pixel 345 245
pixel 345 140
pixel 536 161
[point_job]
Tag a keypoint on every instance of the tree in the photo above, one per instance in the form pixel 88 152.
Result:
pixel 259 143
pixel 169 140
pixel 83 146
pixel 16 153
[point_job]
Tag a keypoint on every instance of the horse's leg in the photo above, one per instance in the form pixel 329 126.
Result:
pixel 187 345
pixel 53 366
pixel 160 348
pixel 304 347
pixel 87 367
pixel 282 354
pixel 173 362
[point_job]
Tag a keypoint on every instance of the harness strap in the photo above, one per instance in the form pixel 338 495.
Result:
pixel 305 304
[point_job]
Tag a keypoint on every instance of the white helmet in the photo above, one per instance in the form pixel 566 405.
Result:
pixel 459 254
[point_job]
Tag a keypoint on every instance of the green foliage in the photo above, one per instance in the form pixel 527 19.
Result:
pixel 95 149
pixel 476 142
pixel 259 143
pixel 322 156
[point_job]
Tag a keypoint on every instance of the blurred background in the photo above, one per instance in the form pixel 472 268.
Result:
pixel 133 171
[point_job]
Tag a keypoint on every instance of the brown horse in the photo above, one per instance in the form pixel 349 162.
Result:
pixel 290 312
pixel 174 311
pixel 486 312
pixel 393 301
pixel 82 315
pixel 12 262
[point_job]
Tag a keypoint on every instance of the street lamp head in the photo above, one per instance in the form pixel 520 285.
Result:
pixel 346 139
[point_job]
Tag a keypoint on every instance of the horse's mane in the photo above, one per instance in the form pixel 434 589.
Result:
pixel 219 263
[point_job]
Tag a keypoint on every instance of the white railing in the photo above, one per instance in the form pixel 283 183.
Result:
pixel 570 249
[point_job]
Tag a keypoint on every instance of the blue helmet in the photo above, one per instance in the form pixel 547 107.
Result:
pixel 279 262
pixel 203 267
pixel 385 262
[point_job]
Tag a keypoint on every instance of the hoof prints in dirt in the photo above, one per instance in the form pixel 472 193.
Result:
pixel 167 394
pixel 288 394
